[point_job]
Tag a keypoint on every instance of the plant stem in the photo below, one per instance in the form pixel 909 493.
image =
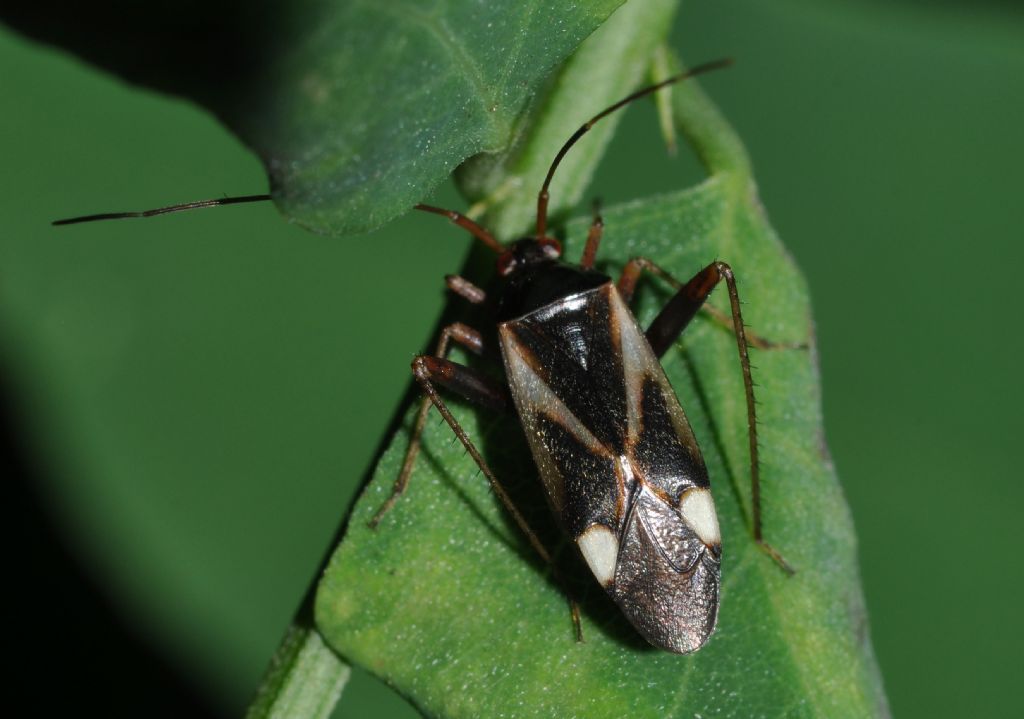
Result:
pixel 305 678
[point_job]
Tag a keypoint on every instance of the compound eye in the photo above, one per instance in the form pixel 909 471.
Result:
pixel 551 247
pixel 506 263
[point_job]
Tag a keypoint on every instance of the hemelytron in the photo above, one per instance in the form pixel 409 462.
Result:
pixel 616 455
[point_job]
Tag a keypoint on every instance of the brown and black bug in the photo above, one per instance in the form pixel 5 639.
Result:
pixel 618 460
pixel 617 457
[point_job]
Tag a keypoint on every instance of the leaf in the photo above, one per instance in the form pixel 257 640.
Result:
pixel 608 66
pixel 357 108
pixel 446 602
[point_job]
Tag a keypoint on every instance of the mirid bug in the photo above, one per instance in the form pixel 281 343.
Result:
pixel 617 457
pixel 619 463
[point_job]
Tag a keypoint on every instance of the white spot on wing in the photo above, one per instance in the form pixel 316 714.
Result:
pixel 698 510
pixel 601 550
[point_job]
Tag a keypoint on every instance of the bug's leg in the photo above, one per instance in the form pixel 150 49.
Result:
pixel 593 238
pixel 430 371
pixel 754 340
pixel 631 274
pixel 664 331
pixel 486 395
pixel 465 289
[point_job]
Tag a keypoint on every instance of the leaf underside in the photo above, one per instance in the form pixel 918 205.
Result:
pixel 357 108
pixel 381 101
pixel 446 602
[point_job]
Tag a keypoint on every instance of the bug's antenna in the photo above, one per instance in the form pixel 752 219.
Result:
pixel 542 197
pixel 199 204
pixel 465 223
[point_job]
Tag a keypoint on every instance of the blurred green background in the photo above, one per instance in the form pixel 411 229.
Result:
pixel 193 400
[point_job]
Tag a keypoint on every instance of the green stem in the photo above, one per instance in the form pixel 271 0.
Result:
pixel 305 678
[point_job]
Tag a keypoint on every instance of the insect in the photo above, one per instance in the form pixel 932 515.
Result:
pixel 615 452
pixel 619 463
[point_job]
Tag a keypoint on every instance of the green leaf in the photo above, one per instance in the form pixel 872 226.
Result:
pixel 357 108
pixel 446 602
pixel 608 66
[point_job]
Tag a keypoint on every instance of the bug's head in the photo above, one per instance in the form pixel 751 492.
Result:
pixel 526 252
